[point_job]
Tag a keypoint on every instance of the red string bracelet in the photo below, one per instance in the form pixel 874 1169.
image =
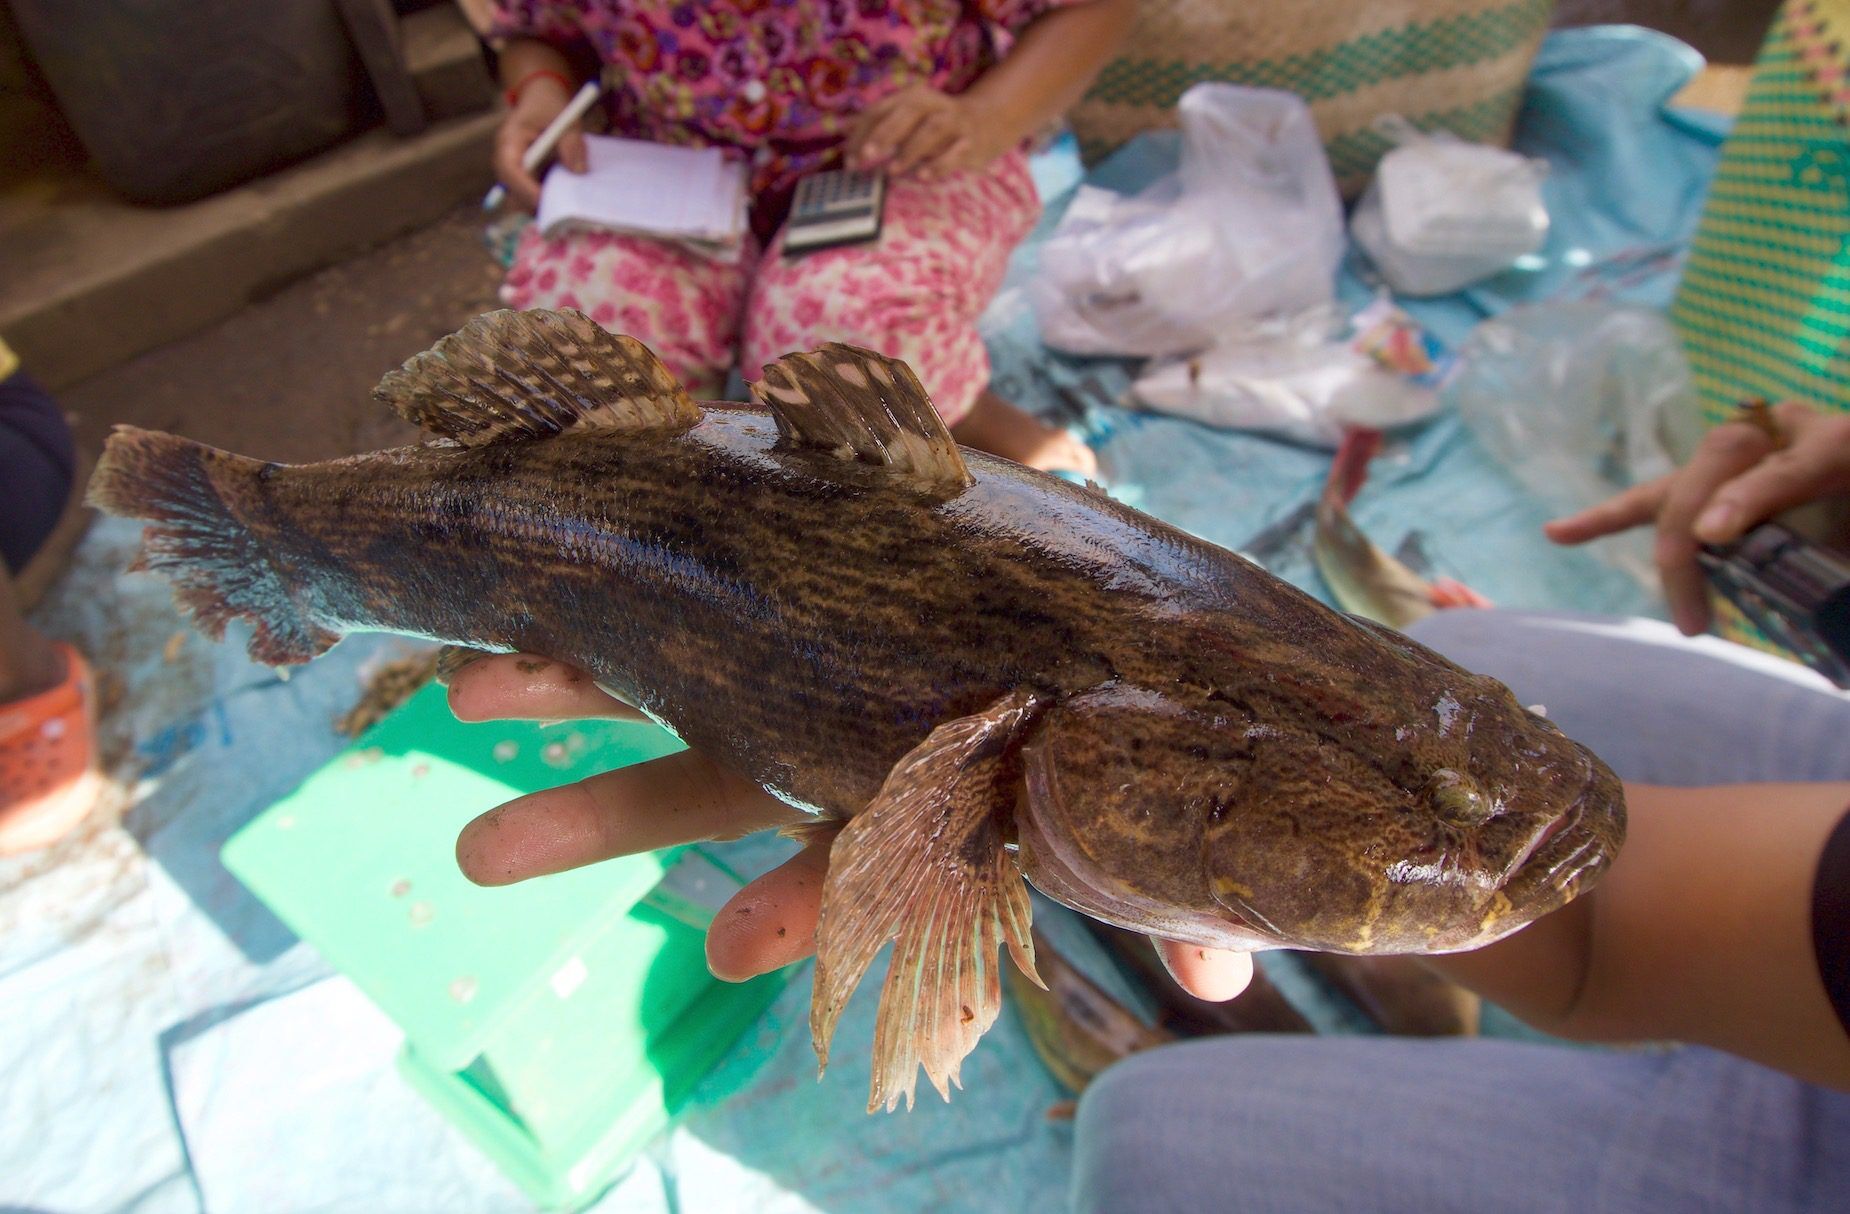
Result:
pixel 512 96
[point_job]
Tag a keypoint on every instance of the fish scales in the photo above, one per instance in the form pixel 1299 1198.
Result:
pixel 685 571
pixel 986 673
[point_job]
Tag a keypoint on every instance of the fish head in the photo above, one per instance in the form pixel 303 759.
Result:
pixel 1397 805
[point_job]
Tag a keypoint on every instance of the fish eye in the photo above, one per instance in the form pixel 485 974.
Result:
pixel 1456 798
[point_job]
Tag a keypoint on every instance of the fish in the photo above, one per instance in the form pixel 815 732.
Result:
pixel 1363 579
pixel 989 676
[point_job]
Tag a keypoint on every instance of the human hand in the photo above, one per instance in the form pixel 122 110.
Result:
pixel 682 798
pixel 921 130
pixel 541 99
pixel 1737 477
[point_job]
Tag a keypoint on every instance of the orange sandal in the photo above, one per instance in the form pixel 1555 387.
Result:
pixel 49 774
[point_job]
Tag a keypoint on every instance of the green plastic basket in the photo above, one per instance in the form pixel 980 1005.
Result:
pixel 560 1023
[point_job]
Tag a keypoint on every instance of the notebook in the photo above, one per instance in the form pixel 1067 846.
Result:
pixel 679 193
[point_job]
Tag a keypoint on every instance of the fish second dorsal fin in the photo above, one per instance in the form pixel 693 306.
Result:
pixel 862 406
pixel 508 375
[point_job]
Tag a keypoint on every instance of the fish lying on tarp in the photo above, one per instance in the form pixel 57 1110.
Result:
pixel 1362 578
pixel 989 672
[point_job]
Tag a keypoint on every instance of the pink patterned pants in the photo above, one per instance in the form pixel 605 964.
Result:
pixel 915 293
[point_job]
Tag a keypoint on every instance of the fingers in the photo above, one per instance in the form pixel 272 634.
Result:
pixel 1815 463
pixel 936 132
pixel 888 125
pixel 511 143
pixel 517 133
pixel 1215 974
pixel 854 143
pixel 886 136
pixel 525 687
pixel 572 151
pixel 1726 452
pixel 1734 480
pixel 953 158
pixel 683 798
pixel 772 921
pixel 1632 508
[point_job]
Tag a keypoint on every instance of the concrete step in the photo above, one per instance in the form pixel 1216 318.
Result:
pixel 91 281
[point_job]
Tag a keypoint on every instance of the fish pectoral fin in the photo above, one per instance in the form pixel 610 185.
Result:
pixel 863 406
pixel 508 376
pixel 926 863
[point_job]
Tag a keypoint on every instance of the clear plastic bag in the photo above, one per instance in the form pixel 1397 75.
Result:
pixel 1579 401
pixel 1249 226
pixel 1306 379
pixel 1442 214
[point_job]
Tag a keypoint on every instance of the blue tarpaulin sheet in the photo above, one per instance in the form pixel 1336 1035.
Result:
pixel 170 1046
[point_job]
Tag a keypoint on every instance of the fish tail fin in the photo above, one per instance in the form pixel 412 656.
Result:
pixel 1449 592
pixel 1349 470
pixel 199 540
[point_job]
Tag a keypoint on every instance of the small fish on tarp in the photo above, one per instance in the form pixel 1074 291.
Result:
pixel 1399 995
pixel 1363 579
pixel 1075 1027
pixel 987 673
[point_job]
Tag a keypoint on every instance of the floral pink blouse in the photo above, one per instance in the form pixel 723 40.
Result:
pixel 780 80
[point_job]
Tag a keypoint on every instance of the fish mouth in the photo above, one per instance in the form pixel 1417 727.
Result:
pixel 1566 822
pixel 1570 851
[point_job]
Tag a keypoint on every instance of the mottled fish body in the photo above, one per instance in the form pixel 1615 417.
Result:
pixel 989 672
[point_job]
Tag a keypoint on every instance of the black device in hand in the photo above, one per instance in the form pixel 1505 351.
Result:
pixel 1796 591
pixel 836 207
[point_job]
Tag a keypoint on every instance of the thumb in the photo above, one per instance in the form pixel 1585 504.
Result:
pixel 572 152
pixel 1214 974
pixel 1793 477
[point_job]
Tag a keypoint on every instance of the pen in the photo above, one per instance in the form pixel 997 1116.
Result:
pixel 542 147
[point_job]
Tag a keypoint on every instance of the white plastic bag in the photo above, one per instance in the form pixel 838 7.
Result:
pixel 1249 226
pixel 1305 379
pixel 1578 400
pixel 1442 214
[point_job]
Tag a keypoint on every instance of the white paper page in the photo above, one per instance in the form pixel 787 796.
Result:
pixel 635 186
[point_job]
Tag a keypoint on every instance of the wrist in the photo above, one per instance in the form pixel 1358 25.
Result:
pixel 992 120
pixel 541 83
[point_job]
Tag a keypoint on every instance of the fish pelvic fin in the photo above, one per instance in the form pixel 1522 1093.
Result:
pixel 199 539
pixel 1349 468
pixel 863 406
pixel 508 376
pixel 926 863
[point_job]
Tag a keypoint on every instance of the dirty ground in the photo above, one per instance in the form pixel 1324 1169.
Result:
pixel 290 378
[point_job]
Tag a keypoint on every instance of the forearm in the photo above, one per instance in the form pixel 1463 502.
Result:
pixel 1701 932
pixel 522 57
pixel 1538 974
pixel 1051 64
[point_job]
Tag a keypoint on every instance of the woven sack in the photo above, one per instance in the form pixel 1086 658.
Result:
pixel 1452 64
pixel 1764 304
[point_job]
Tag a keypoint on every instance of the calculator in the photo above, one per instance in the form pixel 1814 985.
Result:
pixel 837 207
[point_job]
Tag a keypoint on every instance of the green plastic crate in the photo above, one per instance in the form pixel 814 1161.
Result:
pixel 560 1022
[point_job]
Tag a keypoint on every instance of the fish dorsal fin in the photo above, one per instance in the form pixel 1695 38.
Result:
pixel 508 375
pixel 864 406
